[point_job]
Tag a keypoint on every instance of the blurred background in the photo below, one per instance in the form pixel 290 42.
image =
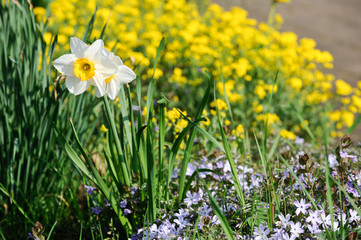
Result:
pixel 334 24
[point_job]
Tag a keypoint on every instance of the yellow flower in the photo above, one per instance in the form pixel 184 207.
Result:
pixel 260 91
pixel 343 88
pixel 39 13
pixel 287 134
pixel 296 83
pixel 103 128
pixel 348 118
pixel 239 131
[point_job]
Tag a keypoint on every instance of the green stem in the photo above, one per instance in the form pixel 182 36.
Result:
pixel 123 164
pixel 271 14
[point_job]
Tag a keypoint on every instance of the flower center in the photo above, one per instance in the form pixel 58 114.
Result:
pixel 108 79
pixel 84 69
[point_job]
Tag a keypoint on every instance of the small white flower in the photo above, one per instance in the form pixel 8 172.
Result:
pixel 85 66
pixel 354 216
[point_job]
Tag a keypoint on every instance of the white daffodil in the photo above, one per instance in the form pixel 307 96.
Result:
pixel 85 66
pixel 123 75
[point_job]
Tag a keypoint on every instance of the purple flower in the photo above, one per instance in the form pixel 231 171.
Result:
pixel 96 210
pixel 284 221
pixel 344 154
pixel 31 236
pixel 332 160
pixel 133 190
pixel 261 232
pixel 192 199
pixel 296 229
pixel 219 164
pixel 107 204
pixel 314 229
pixel 135 108
pixel 314 217
pixel 353 216
pixel 301 206
pixel 127 211
pixel 89 189
pixel 123 203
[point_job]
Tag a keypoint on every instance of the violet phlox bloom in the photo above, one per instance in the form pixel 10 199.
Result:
pixel 149 233
pixel 296 229
pixel 215 220
pixel 123 204
pixel 278 233
pixel 31 236
pixel 302 206
pixel 344 154
pixel 192 199
pixel 326 220
pixel 285 236
pixel 205 210
pixel 127 211
pixel 314 217
pixel 96 210
pixel 191 168
pixel 261 232
pixel 107 204
pixel 133 190
pixel 167 230
pixel 284 220
pixel 342 218
pixel 354 217
pixel 314 229
pixel 332 160
pixel 181 218
pixel 89 189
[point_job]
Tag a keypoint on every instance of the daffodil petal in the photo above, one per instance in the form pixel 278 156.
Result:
pixel 117 60
pixel 113 88
pixel 99 84
pixel 65 64
pixel 124 75
pixel 106 66
pixel 78 47
pixel 76 86
pixel 94 50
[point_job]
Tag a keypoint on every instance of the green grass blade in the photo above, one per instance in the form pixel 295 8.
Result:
pixel 308 130
pixel 51 230
pixel 93 175
pixel 125 116
pixel 230 159
pixel 151 181
pixel 113 128
pixel 190 142
pixel 73 155
pixel 161 139
pixel 21 210
pixel 151 85
pixel 217 210
pixel 193 176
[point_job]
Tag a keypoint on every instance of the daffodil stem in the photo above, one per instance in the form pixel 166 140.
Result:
pixel 123 164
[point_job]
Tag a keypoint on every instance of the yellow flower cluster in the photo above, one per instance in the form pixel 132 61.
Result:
pixel 287 134
pixel 174 118
pixel 248 55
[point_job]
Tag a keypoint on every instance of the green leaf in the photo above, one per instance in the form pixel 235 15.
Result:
pixel 217 210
